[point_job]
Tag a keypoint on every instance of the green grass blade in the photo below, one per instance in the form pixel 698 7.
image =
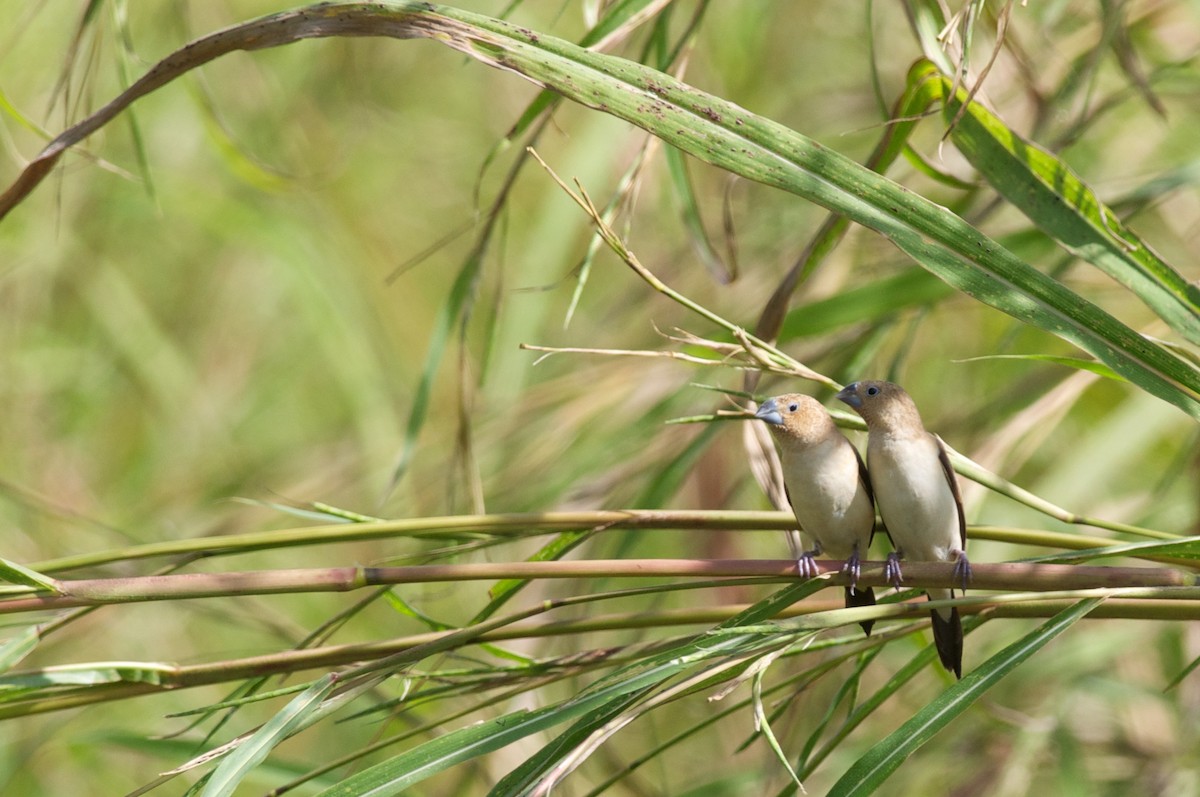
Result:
pixel 908 110
pixel 702 243
pixel 617 16
pixel 89 674
pixel 809 761
pixel 870 771
pixel 1186 548
pixel 14 649
pixel 453 309
pixel 399 773
pixel 913 288
pixel 528 775
pixel 10 110
pixel 14 573
pixel 1065 208
pixel 846 695
pixel 1184 673
pixel 254 750
pixel 126 57
pixel 504 590
pixel 1070 362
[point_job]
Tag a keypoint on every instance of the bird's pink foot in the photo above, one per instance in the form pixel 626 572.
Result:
pixel 891 570
pixel 806 566
pixel 962 570
pixel 853 568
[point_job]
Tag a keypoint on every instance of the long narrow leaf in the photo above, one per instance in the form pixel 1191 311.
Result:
pixel 15 573
pixel 1066 209
pixel 251 753
pixel 521 780
pixel 885 757
pixel 16 648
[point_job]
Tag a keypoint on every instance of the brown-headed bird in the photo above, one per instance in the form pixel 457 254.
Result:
pixel 827 486
pixel 918 498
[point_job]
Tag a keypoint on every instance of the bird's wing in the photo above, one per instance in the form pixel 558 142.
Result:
pixel 864 477
pixel 952 480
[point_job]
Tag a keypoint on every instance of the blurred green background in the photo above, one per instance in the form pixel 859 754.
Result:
pixel 252 321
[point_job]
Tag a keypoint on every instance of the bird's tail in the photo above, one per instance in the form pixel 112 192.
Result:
pixel 861 596
pixel 948 637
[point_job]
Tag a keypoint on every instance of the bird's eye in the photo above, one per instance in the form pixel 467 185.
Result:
pixel 871 391
pixel 793 407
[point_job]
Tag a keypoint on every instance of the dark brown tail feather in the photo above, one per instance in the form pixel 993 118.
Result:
pixel 861 596
pixel 948 637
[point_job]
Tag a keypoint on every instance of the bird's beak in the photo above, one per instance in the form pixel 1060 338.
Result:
pixel 769 412
pixel 849 395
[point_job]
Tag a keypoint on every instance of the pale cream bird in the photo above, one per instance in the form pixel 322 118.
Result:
pixel 918 498
pixel 827 486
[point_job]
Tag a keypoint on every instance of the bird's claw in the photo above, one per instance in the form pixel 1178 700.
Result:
pixel 806 566
pixel 891 570
pixel 962 570
pixel 853 569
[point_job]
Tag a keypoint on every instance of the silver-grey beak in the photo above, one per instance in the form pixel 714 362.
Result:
pixel 769 412
pixel 849 395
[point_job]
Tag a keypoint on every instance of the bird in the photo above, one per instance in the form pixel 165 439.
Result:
pixel 827 485
pixel 918 498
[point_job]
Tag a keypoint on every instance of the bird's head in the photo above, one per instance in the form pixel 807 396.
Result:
pixel 883 405
pixel 795 416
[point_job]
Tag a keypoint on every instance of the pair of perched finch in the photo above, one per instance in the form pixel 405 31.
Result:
pixel 907 475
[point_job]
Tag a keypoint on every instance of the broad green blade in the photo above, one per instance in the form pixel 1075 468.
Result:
pixel 810 760
pixel 1065 208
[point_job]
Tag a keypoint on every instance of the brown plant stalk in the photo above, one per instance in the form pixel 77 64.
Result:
pixel 1005 576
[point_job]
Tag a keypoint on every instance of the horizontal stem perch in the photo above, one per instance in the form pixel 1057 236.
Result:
pixel 1011 576
pixel 512 525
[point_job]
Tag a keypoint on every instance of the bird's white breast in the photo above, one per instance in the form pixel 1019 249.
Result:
pixel 827 496
pixel 914 497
